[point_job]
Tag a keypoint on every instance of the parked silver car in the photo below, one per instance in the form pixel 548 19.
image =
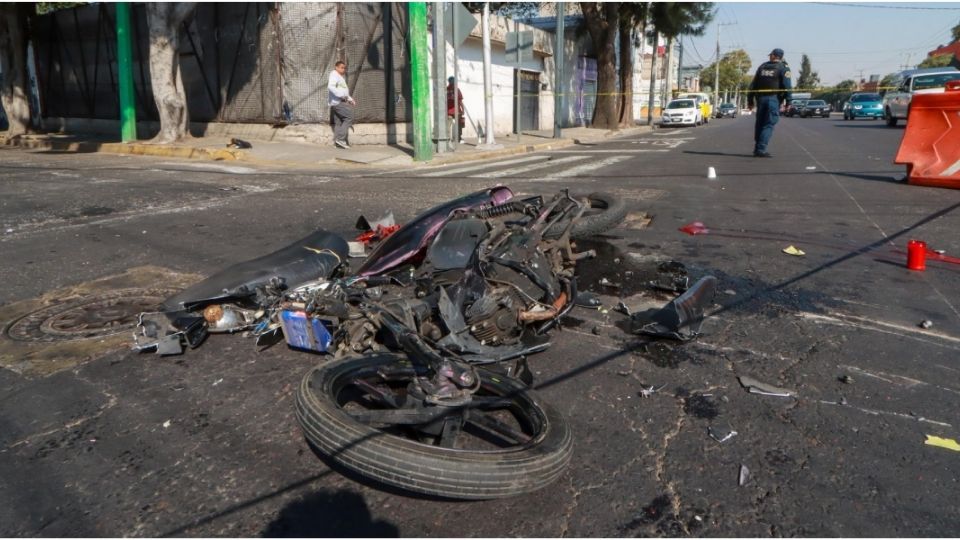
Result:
pixel 896 103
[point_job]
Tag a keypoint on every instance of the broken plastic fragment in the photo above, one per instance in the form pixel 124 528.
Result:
pixel 791 250
pixel 756 387
pixel 695 228
pixel 357 249
pixel 744 474
pixel 721 435
pixel 926 324
pixel 949 444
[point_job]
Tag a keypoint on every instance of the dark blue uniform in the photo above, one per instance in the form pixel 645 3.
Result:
pixel 770 87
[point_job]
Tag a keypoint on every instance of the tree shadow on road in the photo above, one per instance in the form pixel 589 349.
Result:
pixel 329 514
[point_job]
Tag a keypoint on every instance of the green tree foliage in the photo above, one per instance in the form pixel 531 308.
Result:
pixel 837 95
pixel 603 21
pixel 955 32
pixel 734 69
pixel 807 79
pixel 939 60
pixel 888 81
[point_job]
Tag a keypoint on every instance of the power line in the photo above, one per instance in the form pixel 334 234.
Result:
pixel 876 6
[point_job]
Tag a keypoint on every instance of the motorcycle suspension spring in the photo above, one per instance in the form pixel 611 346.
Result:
pixel 509 207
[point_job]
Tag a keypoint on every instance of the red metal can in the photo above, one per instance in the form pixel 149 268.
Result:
pixel 917 255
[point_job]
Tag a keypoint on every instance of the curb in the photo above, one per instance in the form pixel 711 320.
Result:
pixel 225 154
pixel 138 149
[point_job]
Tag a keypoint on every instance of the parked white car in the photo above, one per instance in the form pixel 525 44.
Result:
pixel 681 112
pixel 896 103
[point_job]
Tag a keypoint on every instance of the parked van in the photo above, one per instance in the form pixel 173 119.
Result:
pixel 703 101
pixel 896 103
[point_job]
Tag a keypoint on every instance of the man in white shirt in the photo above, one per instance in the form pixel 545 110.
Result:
pixel 341 111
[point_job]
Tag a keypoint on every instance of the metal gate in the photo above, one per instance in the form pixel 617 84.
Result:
pixel 529 114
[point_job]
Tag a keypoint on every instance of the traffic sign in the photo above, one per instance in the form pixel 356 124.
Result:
pixel 463 23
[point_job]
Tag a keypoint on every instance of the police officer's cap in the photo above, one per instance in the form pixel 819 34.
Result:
pixel 777 52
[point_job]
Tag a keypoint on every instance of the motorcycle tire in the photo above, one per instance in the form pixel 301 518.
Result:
pixel 606 211
pixel 329 403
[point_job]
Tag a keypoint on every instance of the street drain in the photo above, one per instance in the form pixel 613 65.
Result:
pixel 87 317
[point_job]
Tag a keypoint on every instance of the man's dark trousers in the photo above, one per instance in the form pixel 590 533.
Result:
pixel 768 114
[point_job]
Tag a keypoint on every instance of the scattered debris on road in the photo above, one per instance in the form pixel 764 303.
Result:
pixel 949 444
pixel 721 435
pixel 845 379
pixel 926 324
pixel 671 277
pixel 792 250
pixel 694 228
pixel 744 474
pixel 647 392
pixel 757 387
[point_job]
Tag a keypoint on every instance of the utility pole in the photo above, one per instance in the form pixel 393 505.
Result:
pixel 439 79
pixel 680 84
pixel 128 107
pixel 716 78
pixel 653 76
pixel 487 77
pixel 558 72
pixel 419 81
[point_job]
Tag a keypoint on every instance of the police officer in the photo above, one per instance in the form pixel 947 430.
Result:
pixel 770 89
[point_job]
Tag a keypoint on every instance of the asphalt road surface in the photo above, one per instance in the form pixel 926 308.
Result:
pixel 96 440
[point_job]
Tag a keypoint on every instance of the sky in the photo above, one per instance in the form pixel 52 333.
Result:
pixel 842 39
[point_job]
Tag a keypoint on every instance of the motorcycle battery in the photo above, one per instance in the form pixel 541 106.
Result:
pixel 303 332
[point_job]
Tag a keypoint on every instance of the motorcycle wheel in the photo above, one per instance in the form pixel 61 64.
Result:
pixel 605 212
pixel 506 442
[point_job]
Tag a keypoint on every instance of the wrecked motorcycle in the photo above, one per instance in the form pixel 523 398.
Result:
pixel 428 390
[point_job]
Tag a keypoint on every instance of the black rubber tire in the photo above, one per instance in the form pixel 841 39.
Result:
pixel 424 468
pixel 891 120
pixel 606 212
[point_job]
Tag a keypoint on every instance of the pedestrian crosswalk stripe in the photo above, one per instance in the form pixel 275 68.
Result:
pixel 626 151
pixel 485 165
pixel 580 169
pixel 520 170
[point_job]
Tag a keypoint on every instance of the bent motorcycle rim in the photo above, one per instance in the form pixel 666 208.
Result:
pixel 513 444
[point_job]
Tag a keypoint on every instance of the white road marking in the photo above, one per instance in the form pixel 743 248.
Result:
pixel 627 151
pixel 528 168
pixel 232 169
pixel 585 168
pixel 485 165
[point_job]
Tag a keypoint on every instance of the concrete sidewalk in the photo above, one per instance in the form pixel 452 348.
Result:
pixel 305 155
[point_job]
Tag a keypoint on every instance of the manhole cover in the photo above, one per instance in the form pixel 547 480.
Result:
pixel 88 317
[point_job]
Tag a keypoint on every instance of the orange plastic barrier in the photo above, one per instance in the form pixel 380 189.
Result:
pixel 931 142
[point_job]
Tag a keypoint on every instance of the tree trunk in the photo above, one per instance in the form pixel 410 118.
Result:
pixel 164 21
pixel 603 32
pixel 653 78
pixel 626 74
pixel 14 94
